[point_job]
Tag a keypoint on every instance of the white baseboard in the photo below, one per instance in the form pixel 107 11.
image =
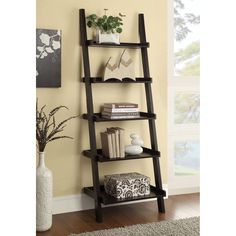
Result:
pixel 71 203
pixel 178 191
pixel 80 202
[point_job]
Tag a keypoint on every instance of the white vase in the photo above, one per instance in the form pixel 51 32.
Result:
pixel 44 193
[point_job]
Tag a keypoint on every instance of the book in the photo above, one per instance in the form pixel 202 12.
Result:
pixel 121 105
pixel 115 137
pixel 120 117
pixel 113 141
pixel 106 141
pixel 121 142
pixel 104 113
pixel 120 110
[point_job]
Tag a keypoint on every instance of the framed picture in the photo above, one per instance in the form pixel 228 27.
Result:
pixel 48 58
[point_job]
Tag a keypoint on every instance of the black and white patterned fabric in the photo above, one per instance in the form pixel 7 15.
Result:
pixel 127 185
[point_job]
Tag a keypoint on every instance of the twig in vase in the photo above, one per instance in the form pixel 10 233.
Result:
pixel 46 127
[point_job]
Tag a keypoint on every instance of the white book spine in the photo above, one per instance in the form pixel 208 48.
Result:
pixel 121 109
pixel 120 117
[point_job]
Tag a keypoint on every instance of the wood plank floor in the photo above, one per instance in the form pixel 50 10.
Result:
pixel 179 206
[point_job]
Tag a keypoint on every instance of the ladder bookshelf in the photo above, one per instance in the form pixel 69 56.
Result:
pixel 97 191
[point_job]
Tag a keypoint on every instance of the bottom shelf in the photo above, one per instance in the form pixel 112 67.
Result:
pixel 107 199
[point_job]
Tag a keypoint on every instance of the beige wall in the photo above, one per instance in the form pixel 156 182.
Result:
pixel 71 170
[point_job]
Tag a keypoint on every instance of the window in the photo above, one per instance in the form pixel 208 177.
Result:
pixel 186 38
pixel 183 94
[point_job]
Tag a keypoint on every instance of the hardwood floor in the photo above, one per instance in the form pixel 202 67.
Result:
pixel 179 206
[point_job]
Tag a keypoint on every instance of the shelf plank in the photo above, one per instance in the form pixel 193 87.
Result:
pixel 107 199
pixel 114 80
pixel 92 43
pixel 147 153
pixel 97 117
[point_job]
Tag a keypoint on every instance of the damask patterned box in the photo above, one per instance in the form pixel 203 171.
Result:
pixel 127 185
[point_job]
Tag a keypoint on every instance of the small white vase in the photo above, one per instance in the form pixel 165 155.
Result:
pixel 44 192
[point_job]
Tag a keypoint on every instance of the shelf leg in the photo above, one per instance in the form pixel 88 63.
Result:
pixel 96 185
pixel 98 213
pixel 161 205
pixel 150 109
pixel 158 181
pixel 89 100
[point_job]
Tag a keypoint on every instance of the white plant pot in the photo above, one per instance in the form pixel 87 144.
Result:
pixel 44 192
pixel 108 38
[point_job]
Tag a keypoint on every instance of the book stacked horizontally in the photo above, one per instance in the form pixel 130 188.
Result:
pixel 113 143
pixel 120 110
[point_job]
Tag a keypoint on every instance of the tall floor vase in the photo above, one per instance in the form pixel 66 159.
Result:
pixel 44 193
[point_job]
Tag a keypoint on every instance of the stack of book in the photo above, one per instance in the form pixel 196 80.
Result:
pixel 113 143
pixel 120 110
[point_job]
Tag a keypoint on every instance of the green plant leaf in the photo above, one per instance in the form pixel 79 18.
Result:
pixel 105 27
pixel 105 23
pixel 119 30
pixel 89 24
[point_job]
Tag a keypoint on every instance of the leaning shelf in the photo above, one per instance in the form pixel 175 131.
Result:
pixel 113 80
pixel 92 43
pixel 147 153
pixel 97 192
pixel 108 199
pixel 97 117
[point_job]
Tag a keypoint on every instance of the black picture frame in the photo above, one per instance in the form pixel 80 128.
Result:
pixel 48 58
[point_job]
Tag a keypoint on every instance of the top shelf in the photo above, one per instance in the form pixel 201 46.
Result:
pixel 92 43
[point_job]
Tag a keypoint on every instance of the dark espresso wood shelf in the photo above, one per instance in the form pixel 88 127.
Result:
pixel 97 117
pixel 92 43
pixel 108 199
pixel 113 80
pixel 147 153
pixel 97 191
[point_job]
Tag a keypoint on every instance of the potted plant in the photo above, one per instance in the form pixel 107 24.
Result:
pixel 47 130
pixel 108 27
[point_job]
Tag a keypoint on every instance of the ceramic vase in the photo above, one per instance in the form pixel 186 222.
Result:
pixel 136 147
pixel 44 192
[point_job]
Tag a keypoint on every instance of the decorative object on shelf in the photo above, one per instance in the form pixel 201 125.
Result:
pixel 133 149
pixel 121 68
pixel 111 69
pixel 136 140
pixel 46 131
pixel 108 27
pixel 113 143
pixel 48 58
pixel 108 37
pixel 136 147
pixel 127 185
pixel 122 110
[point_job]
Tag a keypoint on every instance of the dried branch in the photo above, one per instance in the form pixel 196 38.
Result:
pixel 46 127
pixel 58 137
pixel 55 110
